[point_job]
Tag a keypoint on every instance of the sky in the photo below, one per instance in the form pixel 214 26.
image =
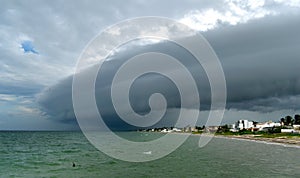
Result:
pixel 257 43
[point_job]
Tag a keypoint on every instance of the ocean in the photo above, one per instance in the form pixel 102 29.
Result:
pixel 51 154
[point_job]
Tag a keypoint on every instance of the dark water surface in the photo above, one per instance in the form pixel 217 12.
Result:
pixel 50 154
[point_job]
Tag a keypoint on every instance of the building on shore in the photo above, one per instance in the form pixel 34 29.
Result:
pixel 209 129
pixel 244 124
pixel 264 125
pixel 253 126
pixel 168 130
pixel 289 131
pixel 296 127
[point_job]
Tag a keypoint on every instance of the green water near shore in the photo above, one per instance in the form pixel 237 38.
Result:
pixel 50 154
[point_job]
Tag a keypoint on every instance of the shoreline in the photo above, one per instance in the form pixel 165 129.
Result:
pixel 281 140
pixel 295 141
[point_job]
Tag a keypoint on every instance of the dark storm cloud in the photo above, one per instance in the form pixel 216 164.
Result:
pixel 260 60
pixel 58 31
pixel 57 99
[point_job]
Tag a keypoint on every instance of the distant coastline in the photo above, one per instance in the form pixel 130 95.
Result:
pixel 285 139
pixel 281 139
pixel 286 131
pixel 278 138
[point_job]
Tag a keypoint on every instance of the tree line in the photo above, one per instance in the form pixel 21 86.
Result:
pixel 289 120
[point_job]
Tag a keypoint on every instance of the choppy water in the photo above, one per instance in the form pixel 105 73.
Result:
pixel 50 154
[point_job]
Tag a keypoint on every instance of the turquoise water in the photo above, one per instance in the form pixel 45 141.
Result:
pixel 50 154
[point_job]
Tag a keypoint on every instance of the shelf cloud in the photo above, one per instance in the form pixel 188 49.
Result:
pixel 257 42
pixel 260 60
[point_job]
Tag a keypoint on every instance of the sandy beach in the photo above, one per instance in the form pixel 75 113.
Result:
pixel 294 140
pixel 282 140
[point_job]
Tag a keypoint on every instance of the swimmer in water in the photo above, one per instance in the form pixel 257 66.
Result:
pixel 74 164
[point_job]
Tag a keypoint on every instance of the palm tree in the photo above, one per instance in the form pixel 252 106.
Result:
pixel 297 119
pixel 288 120
pixel 282 121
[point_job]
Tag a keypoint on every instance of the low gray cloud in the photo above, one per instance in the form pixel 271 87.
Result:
pixel 260 61
pixel 257 43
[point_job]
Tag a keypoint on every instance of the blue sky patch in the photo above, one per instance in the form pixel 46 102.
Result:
pixel 28 47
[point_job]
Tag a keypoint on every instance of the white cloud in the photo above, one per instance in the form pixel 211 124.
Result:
pixel 4 97
pixel 234 12
pixel 292 3
pixel 28 111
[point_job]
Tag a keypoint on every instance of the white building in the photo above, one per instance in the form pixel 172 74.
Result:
pixel 165 131
pixel 231 126
pixel 261 126
pixel 289 131
pixel 244 124
pixel 176 130
pixel 296 127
